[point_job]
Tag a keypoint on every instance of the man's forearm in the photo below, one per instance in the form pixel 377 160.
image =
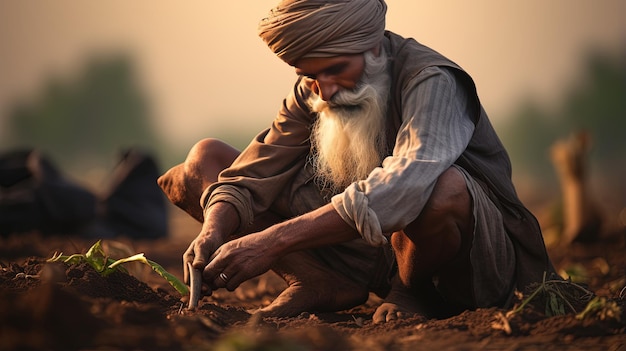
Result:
pixel 320 227
pixel 221 218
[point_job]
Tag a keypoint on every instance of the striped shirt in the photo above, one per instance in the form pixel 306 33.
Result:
pixel 436 128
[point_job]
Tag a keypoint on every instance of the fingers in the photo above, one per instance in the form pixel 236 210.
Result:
pixel 192 274
pixel 212 271
pixel 200 254
pixel 193 259
pixel 223 280
pixel 218 274
pixel 234 281
pixel 196 255
pixel 187 259
pixel 227 266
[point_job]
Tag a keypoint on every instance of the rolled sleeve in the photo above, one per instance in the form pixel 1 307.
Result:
pixel 234 196
pixel 353 207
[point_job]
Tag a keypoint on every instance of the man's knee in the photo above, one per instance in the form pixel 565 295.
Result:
pixel 446 221
pixel 184 183
pixel 210 150
pixel 205 160
pixel 450 194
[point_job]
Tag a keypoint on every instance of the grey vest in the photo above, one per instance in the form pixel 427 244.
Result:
pixel 485 157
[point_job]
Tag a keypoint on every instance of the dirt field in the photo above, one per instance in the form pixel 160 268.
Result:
pixel 47 306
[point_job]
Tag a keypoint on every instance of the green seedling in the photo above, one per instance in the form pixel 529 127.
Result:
pixel 558 300
pixel 97 258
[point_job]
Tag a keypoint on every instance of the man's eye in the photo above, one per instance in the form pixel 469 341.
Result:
pixel 334 70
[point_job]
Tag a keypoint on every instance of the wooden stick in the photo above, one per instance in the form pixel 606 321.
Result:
pixel 195 280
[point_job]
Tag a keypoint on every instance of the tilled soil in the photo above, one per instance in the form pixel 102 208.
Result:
pixel 55 306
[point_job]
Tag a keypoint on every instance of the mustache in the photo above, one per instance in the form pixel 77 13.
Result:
pixel 351 98
pixel 348 101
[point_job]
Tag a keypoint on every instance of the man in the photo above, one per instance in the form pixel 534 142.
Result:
pixel 381 173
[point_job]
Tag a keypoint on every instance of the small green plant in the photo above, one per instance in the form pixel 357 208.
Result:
pixel 559 297
pixel 98 259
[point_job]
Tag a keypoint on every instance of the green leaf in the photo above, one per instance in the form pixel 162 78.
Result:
pixel 170 278
pixel 554 305
pixel 95 249
pixel 96 257
pixel 175 282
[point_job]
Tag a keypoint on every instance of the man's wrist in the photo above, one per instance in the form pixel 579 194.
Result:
pixel 221 217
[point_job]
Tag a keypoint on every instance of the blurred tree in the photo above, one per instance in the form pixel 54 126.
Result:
pixel 86 120
pixel 600 107
pixel 596 106
pixel 528 136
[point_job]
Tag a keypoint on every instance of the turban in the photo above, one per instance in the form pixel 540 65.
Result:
pixel 297 29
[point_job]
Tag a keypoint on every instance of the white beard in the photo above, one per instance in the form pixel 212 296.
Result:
pixel 348 138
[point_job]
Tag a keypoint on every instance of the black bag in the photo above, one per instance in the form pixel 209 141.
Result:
pixel 35 196
pixel 134 205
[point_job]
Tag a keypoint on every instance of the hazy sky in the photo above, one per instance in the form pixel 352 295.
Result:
pixel 204 67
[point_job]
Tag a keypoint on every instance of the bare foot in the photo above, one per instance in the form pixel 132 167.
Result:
pixel 299 298
pixel 184 183
pixel 313 287
pixel 421 299
pixel 399 304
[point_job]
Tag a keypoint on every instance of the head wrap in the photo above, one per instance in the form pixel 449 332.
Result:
pixel 297 29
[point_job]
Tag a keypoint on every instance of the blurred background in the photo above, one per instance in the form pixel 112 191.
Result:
pixel 82 80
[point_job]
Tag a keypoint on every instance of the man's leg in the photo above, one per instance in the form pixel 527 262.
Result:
pixel 437 244
pixel 183 184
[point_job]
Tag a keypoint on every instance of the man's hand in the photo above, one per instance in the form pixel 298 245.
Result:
pixel 199 251
pixel 239 260
pixel 220 221
pixel 227 264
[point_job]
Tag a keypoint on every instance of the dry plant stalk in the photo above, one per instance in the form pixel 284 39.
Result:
pixel 581 214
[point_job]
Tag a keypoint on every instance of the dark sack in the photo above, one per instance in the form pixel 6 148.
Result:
pixel 133 205
pixel 35 196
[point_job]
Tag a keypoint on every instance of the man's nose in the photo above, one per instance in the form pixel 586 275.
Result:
pixel 326 87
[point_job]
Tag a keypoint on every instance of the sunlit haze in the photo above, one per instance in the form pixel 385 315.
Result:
pixel 204 68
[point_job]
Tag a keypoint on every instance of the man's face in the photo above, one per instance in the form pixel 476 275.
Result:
pixel 328 75
pixel 348 137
